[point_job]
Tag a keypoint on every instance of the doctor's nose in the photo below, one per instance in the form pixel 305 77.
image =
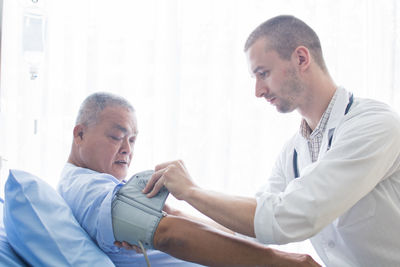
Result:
pixel 260 89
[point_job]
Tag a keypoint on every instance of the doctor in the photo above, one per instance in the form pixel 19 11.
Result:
pixel 337 181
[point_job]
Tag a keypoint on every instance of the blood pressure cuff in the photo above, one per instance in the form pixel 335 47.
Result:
pixel 135 217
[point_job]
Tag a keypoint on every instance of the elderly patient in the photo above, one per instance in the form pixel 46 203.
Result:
pixel 103 141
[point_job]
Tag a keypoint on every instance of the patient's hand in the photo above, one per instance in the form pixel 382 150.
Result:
pixel 128 246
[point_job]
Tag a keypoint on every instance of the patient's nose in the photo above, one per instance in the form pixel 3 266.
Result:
pixel 126 147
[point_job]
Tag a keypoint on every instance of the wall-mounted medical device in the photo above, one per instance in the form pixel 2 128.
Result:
pixel 34 36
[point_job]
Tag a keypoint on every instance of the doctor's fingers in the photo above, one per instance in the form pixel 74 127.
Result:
pixel 300 260
pixel 157 175
pixel 157 187
pixel 166 164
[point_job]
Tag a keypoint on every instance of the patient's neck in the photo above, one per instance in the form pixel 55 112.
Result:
pixel 73 159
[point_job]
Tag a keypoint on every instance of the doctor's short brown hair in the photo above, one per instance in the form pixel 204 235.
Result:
pixel 284 34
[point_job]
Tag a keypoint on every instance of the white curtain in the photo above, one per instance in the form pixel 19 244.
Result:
pixel 181 64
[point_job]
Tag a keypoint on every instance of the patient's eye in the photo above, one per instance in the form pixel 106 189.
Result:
pixel 115 138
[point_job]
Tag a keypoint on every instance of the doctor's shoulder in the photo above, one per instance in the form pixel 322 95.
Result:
pixel 368 116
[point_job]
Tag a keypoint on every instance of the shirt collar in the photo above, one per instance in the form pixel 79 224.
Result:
pixel 306 131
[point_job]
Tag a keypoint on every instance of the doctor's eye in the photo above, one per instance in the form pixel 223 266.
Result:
pixel 263 74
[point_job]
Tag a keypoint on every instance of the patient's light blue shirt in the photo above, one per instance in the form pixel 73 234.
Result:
pixel 89 194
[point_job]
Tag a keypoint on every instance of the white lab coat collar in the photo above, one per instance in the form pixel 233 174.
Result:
pixel 342 100
pixel 337 114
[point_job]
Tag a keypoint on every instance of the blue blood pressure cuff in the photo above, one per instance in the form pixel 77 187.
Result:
pixel 135 217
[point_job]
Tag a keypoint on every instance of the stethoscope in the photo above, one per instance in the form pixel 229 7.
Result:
pixel 330 135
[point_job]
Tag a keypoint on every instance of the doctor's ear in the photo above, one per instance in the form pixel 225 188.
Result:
pixel 302 57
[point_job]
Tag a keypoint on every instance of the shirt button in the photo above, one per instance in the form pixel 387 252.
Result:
pixel 331 244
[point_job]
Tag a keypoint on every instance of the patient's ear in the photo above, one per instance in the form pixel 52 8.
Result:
pixel 79 131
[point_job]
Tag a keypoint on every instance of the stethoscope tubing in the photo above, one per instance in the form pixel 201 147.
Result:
pixel 295 165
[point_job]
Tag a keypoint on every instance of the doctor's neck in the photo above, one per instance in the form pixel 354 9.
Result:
pixel 319 92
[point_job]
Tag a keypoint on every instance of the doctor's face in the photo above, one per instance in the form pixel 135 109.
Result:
pixel 107 146
pixel 276 79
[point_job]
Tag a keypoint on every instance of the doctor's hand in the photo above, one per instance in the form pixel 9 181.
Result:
pixel 174 176
pixel 288 259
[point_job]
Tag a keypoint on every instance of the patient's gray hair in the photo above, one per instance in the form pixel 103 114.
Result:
pixel 285 33
pixel 95 103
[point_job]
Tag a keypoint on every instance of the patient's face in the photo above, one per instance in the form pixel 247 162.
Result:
pixel 107 146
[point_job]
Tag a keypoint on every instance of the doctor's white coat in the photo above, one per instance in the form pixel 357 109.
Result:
pixel 348 201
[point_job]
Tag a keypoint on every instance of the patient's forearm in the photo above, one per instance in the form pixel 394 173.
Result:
pixel 191 241
pixel 205 221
